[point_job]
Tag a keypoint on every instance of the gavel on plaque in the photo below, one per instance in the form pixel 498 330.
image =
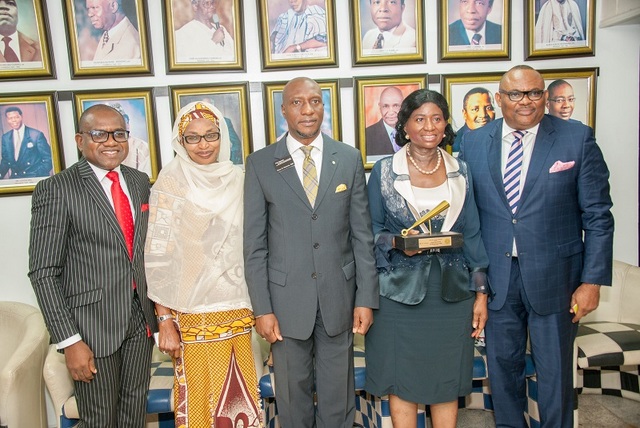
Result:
pixel 430 240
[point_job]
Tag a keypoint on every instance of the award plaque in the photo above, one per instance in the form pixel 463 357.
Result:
pixel 429 240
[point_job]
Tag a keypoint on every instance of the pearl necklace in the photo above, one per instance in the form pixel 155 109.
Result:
pixel 435 168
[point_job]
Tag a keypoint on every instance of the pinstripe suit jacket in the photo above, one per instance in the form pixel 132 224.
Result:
pixel 563 227
pixel 78 261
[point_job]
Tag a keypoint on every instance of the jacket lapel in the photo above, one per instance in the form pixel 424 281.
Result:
pixel 136 201
pixel 330 164
pixel 494 158
pixel 289 175
pixel 96 192
pixel 543 144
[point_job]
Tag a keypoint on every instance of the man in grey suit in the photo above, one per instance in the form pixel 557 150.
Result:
pixel 88 229
pixel 309 261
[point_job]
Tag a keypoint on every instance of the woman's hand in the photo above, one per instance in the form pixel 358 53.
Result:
pixel 409 253
pixel 168 338
pixel 480 314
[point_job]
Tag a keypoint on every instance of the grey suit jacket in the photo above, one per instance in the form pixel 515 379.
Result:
pixel 79 265
pixel 298 257
pixel 377 140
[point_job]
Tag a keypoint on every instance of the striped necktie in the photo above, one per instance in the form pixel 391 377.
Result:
pixel 513 171
pixel 309 175
pixel 379 43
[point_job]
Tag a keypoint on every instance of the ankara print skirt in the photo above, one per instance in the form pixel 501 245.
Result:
pixel 216 384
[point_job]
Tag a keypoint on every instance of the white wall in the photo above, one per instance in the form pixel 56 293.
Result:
pixel 617 55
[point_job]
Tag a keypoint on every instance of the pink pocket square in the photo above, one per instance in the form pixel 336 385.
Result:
pixel 561 166
pixel 144 207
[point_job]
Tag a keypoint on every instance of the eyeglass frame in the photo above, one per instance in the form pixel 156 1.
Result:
pixel 200 137
pixel 522 94
pixel 562 100
pixel 109 133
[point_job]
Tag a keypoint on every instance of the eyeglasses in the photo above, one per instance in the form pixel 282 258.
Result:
pixel 515 96
pixel 207 3
pixel 195 138
pixel 99 136
pixel 562 100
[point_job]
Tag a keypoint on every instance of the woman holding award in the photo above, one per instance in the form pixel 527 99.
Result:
pixel 433 300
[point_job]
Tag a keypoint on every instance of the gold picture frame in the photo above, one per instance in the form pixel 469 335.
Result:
pixel 40 153
pixel 373 113
pixel 122 50
pixel 232 100
pixel 188 51
pixel 33 59
pixel 318 49
pixel 404 45
pixel 494 35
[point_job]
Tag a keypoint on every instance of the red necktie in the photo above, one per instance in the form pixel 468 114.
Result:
pixel 9 54
pixel 123 210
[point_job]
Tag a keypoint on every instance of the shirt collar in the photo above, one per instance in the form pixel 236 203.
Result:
pixel 506 129
pixel 102 173
pixel 293 144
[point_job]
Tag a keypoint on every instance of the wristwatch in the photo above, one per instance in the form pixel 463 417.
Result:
pixel 165 317
pixel 298 48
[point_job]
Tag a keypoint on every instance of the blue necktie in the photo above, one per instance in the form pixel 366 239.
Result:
pixel 513 171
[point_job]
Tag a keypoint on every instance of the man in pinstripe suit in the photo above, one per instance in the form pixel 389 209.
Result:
pixel 89 281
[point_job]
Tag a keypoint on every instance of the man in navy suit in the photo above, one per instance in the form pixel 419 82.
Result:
pixel 88 228
pixel 473 28
pixel 25 151
pixel 549 239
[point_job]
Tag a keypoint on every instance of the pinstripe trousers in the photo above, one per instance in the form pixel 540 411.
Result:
pixel 117 396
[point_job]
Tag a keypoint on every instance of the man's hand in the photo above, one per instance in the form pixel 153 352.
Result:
pixel 267 326
pixel 218 36
pixel 587 298
pixel 80 362
pixel 168 338
pixel 362 319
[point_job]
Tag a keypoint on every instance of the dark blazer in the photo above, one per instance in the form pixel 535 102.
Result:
pixel 458 35
pixel 377 140
pixel 34 159
pixel 29 49
pixel 298 257
pixel 563 227
pixel 79 265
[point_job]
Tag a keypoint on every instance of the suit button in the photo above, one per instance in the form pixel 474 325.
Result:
pixel 507 254
pixel 316 245
pixel 314 275
pixel 514 221
pixel 314 217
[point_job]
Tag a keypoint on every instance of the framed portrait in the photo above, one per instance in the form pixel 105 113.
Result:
pixel 391 32
pixel 474 29
pixel 25 52
pixel 108 38
pixel 275 123
pixel 377 103
pixel 572 94
pixel 31 149
pixel 471 99
pixel 233 101
pixel 297 34
pixel 203 36
pixel 136 107
pixel 555 28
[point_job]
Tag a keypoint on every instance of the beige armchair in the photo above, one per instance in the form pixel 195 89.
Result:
pixel 24 340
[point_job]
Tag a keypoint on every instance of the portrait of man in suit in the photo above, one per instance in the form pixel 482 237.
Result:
pixel 542 190
pixel 477 111
pixel 205 37
pixel 390 32
pixel 25 151
pixel 119 39
pixel 561 101
pixel 473 28
pixel 380 137
pixel 309 264
pixel 15 46
pixel 88 229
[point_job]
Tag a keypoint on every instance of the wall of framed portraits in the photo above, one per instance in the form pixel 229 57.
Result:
pixel 245 77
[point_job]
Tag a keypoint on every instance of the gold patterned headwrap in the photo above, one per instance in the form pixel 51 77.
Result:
pixel 200 111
